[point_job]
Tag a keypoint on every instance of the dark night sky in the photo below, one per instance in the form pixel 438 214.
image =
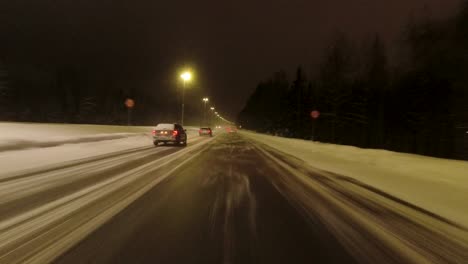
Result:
pixel 231 45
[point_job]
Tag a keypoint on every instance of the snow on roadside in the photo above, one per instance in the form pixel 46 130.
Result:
pixel 50 144
pixel 437 185
pixel 38 131
pixel 15 136
pixel 23 160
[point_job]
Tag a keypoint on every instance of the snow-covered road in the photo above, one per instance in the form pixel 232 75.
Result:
pixel 46 209
pixel 29 146
pixel 436 185
pixel 234 198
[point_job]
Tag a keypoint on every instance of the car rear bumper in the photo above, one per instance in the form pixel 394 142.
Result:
pixel 164 139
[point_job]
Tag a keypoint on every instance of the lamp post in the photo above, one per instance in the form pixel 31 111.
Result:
pixel 186 76
pixel 205 100
pixel 211 116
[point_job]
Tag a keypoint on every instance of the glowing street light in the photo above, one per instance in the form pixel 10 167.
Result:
pixel 186 76
pixel 211 116
pixel 205 100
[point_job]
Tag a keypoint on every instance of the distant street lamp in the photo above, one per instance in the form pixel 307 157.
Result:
pixel 211 116
pixel 205 100
pixel 186 76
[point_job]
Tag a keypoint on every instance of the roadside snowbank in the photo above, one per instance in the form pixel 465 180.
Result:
pixel 18 136
pixel 26 159
pixel 26 146
pixel 437 185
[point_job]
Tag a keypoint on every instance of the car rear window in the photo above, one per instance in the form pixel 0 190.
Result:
pixel 165 127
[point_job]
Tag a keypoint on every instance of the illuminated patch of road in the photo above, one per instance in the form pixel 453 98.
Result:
pixel 42 233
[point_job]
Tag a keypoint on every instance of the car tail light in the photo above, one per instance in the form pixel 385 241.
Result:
pixel 175 133
pixel 153 132
pixel 200 131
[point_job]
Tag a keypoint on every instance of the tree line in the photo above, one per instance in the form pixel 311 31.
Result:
pixel 70 93
pixel 415 101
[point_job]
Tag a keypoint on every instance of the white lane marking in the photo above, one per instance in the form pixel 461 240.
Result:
pixel 64 243
pixel 20 188
pixel 30 224
pixel 23 187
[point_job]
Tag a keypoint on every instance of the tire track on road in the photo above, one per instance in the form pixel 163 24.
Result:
pixel 40 234
pixel 221 208
pixel 388 230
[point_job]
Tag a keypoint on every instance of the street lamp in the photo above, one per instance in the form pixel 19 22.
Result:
pixel 211 116
pixel 186 76
pixel 205 100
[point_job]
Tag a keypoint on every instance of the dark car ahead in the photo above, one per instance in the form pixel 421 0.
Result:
pixel 205 131
pixel 169 133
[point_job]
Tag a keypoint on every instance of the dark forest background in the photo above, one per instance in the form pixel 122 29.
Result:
pixel 413 98
pixel 414 101
pixel 77 62
pixel 69 93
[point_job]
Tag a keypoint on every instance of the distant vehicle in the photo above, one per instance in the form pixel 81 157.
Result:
pixel 205 131
pixel 169 133
pixel 231 129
